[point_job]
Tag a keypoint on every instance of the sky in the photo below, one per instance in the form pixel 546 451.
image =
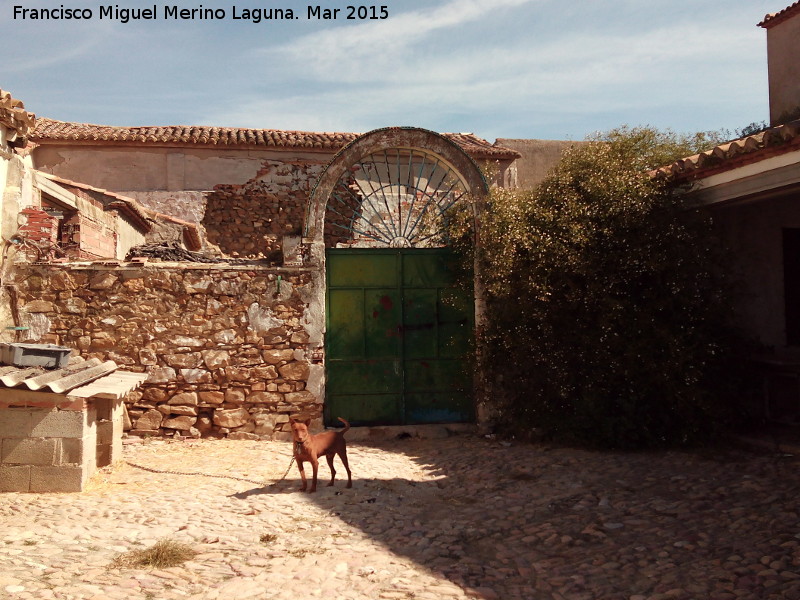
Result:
pixel 546 69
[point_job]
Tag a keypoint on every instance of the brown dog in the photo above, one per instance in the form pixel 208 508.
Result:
pixel 309 448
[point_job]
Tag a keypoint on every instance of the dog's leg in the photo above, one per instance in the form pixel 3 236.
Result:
pixel 330 458
pixel 343 456
pixel 314 467
pixel 302 475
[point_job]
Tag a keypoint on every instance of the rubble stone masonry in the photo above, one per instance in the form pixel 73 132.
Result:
pixel 228 349
pixel 250 220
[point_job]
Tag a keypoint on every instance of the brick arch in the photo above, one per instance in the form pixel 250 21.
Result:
pixel 405 138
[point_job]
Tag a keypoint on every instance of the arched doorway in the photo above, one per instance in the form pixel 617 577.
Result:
pixel 398 328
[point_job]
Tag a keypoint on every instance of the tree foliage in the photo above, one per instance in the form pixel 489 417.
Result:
pixel 607 314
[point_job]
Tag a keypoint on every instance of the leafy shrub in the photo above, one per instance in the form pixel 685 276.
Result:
pixel 607 313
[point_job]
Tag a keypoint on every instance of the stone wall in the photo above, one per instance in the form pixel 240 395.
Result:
pixel 230 350
pixel 250 220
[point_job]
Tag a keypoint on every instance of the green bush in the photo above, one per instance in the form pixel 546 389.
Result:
pixel 607 310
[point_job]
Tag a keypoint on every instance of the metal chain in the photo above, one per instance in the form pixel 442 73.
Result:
pixel 151 470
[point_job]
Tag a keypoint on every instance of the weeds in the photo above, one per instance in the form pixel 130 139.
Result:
pixel 267 538
pixel 163 554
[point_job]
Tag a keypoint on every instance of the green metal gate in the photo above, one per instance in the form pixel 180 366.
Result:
pixel 398 338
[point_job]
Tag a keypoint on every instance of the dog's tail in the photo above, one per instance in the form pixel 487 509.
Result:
pixel 346 425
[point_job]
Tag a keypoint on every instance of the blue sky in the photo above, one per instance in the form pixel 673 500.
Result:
pixel 548 69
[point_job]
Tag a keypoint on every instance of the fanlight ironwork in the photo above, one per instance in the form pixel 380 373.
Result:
pixel 396 197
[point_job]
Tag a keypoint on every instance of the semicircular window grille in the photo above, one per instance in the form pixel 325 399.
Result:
pixel 395 198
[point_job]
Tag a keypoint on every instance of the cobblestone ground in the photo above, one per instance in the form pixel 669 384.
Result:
pixel 462 517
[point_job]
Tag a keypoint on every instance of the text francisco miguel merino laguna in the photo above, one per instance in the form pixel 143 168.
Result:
pixel 174 12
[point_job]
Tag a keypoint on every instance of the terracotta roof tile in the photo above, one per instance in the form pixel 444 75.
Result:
pixel 49 130
pixel 773 19
pixel 14 116
pixel 752 148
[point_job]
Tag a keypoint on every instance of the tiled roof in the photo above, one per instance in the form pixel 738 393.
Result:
pixel 773 19
pixel 49 130
pixel 14 116
pixel 481 149
pixel 746 150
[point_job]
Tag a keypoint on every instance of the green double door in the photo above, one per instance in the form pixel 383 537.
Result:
pixel 398 338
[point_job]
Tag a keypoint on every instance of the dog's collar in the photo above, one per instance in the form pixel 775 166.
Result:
pixel 298 447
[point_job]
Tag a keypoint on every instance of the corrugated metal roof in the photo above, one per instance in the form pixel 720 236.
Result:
pixel 81 378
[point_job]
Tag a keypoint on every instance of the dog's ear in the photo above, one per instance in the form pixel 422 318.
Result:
pixel 292 421
pixel 307 422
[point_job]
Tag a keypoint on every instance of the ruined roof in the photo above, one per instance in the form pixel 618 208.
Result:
pixel 481 149
pixel 773 19
pixel 127 206
pixel 746 150
pixel 14 116
pixel 83 378
pixel 49 130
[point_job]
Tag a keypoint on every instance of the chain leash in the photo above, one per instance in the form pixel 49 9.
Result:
pixel 165 472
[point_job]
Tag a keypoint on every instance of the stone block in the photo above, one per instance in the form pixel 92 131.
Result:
pixel 58 479
pixel 275 357
pixel 243 435
pixel 16 422
pixel 215 359
pixel 300 398
pixel 60 424
pixel 185 398
pixel 15 478
pixel 196 376
pixel 211 397
pixel 189 360
pixel 150 420
pixel 160 375
pixel 295 371
pixel 265 398
pixel 235 417
pixel 183 423
pixel 234 395
pixel 31 451
pixel 269 372
pixel 154 395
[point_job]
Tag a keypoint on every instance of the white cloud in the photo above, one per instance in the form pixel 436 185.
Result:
pixel 587 73
pixel 366 49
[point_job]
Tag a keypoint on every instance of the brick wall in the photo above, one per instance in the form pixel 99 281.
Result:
pixel 85 238
pixel 41 230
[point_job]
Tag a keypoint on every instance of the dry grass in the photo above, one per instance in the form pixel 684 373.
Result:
pixel 163 554
pixel 267 538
